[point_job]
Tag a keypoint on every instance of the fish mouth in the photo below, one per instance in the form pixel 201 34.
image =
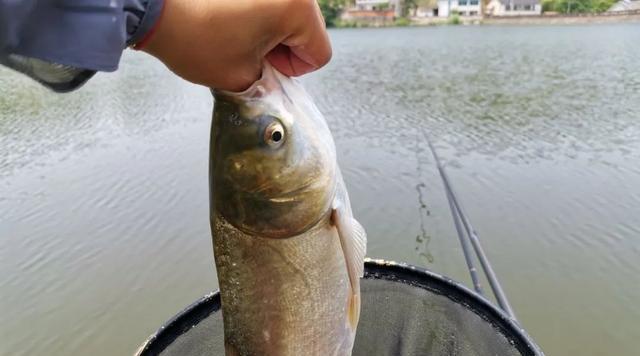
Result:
pixel 293 194
pixel 283 216
pixel 258 89
pixel 268 192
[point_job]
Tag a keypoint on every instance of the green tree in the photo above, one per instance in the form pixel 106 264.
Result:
pixel 603 5
pixel 548 5
pixel 577 6
pixel 331 10
pixel 409 7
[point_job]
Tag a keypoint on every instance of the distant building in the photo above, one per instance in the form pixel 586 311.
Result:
pixel 625 5
pixel 371 4
pixel 379 5
pixel 513 8
pixel 461 7
pixel 372 12
pixel 426 11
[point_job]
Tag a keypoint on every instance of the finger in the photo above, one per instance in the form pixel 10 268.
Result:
pixel 307 40
pixel 287 62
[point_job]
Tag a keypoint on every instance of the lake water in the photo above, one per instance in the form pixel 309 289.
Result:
pixel 104 201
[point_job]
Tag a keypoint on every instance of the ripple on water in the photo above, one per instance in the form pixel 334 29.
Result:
pixel 103 192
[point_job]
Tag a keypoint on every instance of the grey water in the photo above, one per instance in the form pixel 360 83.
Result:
pixel 104 201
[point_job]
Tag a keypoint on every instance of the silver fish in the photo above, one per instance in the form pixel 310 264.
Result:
pixel 288 252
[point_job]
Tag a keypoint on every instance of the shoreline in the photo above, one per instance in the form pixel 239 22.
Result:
pixel 542 20
pixel 605 17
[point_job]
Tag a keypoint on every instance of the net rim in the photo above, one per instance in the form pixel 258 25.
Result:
pixel 375 269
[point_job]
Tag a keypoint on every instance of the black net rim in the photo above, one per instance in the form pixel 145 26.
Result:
pixel 374 269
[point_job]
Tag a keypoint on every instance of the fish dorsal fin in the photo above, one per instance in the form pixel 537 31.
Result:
pixel 354 247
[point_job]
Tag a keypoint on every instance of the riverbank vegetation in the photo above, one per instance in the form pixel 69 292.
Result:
pixel 331 10
pixel 576 6
pixel 411 6
pixel 454 19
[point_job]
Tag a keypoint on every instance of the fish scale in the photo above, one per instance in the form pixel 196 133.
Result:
pixel 288 285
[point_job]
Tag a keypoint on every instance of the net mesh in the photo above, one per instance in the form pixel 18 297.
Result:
pixel 397 318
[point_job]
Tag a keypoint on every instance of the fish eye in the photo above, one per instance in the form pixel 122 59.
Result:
pixel 274 134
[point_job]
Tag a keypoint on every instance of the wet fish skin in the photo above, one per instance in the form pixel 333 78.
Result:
pixel 288 252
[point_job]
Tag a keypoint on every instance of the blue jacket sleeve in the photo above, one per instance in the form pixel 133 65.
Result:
pixel 62 43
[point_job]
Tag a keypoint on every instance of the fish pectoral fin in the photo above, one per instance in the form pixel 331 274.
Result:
pixel 354 244
pixel 353 239
pixel 353 310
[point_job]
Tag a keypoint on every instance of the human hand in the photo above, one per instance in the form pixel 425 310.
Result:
pixel 222 43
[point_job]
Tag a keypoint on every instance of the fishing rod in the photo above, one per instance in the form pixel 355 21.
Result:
pixel 458 214
pixel 465 247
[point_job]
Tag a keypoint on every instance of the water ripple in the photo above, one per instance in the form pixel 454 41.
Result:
pixel 104 201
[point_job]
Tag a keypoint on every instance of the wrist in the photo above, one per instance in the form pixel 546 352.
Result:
pixel 158 40
pixel 147 15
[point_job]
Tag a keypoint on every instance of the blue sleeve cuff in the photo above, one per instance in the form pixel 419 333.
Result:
pixel 84 34
pixel 142 16
pixel 62 43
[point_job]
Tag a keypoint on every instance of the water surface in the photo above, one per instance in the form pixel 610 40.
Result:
pixel 104 205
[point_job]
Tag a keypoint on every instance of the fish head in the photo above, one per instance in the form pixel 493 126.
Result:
pixel 273 165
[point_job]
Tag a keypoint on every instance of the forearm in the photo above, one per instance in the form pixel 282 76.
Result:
pixel 215 43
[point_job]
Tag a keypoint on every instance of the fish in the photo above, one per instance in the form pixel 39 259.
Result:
pixel 288 252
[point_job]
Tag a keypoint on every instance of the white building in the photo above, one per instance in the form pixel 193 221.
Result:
pixel 370 4
pixel 514 8
pixel 425 11
pixel 462 7
pixel 625 5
